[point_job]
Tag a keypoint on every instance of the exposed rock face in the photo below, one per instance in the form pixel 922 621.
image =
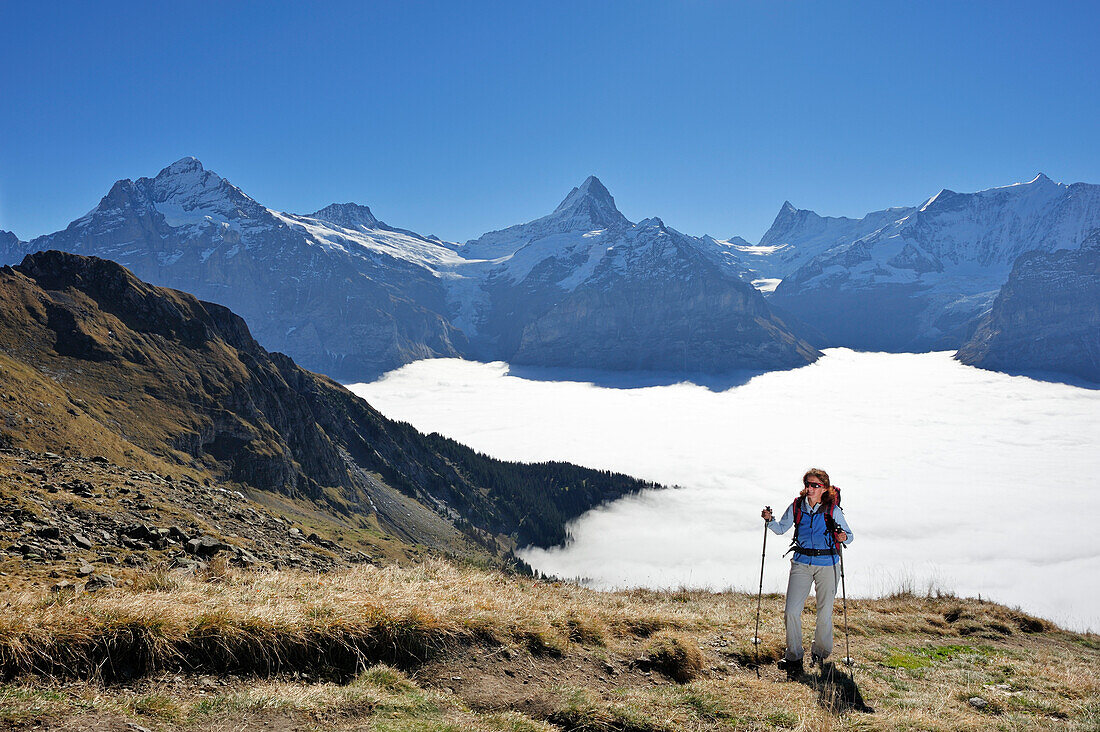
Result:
pixel 1046 317
pixel 185 380
pixel 916 279
pixel 346 301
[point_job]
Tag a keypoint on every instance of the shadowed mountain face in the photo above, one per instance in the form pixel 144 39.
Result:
pixel 184 380
pixel 1046 317
pixel 585 288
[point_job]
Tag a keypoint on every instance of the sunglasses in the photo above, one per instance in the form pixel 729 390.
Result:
pixel 815 485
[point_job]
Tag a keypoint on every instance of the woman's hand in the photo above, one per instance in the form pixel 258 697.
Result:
pixel 766 514
pixel 841 537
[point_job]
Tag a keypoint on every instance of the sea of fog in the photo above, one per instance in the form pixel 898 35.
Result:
pixel 964 480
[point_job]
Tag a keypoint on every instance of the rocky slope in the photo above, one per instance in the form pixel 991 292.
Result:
pixel 91 523
pixel 914 279
pixel 1046 317
pixel 95 359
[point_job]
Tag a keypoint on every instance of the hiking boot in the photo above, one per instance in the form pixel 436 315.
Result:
pixel 816 660
pixel 792 667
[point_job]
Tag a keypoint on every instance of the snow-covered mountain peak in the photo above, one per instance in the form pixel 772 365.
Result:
pixel 185 178
pixel 183 166
pixel 348 216
pixel 590 205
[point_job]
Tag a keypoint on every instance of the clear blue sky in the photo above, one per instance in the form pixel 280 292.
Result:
pixel 457 118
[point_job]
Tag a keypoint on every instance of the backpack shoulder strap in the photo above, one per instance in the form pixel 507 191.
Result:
pixel 797 508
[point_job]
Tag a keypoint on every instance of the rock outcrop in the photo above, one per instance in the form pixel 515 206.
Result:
pixel 1046 317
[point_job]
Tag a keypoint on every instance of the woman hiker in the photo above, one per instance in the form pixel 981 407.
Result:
pixel 819 524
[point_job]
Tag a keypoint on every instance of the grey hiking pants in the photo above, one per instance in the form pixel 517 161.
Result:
pixel 824 579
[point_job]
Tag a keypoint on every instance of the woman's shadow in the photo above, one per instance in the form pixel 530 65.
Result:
pixel 836 690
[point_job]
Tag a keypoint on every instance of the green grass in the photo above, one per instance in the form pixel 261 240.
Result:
pixel 924 656
pixel 907 661
pixel 947 653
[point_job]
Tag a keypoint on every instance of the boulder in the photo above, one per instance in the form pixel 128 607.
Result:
pixel 205 546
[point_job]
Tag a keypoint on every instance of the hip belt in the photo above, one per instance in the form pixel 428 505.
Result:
pixel 813 552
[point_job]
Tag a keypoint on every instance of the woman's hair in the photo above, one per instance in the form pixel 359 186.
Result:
pixel 829 496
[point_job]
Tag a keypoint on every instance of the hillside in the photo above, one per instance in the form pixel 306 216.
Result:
pixel 95 362
pixel 438 647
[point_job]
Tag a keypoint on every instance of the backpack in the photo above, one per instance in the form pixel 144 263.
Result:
pixel 831 525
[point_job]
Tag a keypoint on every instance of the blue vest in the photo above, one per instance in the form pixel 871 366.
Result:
pixel 814 534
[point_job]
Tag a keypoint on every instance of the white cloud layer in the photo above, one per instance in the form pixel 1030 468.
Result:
pixel 978 482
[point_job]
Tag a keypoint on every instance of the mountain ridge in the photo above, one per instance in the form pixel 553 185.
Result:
pixel 158 371
pixel 349 295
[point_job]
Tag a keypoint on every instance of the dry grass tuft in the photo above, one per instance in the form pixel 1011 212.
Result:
pixel 675 655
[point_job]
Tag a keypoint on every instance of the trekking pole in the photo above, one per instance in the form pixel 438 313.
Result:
pixel 760 594
pixel 844 594
pixel 835 529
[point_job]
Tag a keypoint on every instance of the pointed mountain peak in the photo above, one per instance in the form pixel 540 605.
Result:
pixel 347 215
pixel 591 189
pixel 788 212
pixel 589 205
pixel 1041 179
